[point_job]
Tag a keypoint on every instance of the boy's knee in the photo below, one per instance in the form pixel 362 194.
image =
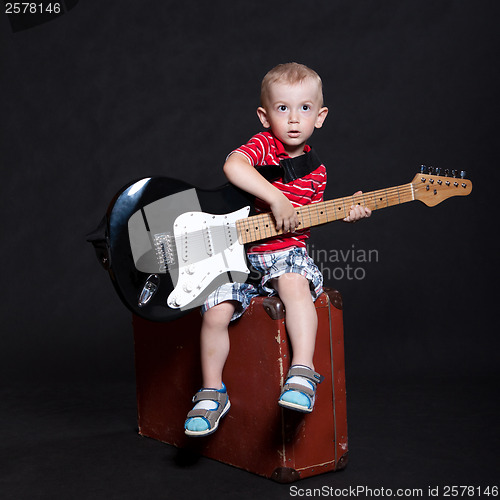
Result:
pixel 293 284
pixel 220 314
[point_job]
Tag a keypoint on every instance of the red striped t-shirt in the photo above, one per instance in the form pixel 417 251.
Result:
pixel 264 149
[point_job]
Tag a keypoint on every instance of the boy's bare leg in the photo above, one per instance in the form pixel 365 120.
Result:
pixel 215 343
pixel 301 324
pixel 301 318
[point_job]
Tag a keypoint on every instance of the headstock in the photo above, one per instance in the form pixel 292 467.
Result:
pixel 432 188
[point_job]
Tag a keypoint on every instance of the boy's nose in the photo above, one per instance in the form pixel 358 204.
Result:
pixel 293 117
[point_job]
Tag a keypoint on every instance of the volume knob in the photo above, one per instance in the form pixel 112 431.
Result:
pixel 173 301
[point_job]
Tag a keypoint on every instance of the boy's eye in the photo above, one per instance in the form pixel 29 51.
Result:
pixel 282 107
pixel 306 107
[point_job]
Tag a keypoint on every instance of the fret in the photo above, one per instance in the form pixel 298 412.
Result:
pixel 338 210
pixel 304 218
pixel 379 197
pixel 317 212
pixel 363 198
pixel 334 210
pixel 343 206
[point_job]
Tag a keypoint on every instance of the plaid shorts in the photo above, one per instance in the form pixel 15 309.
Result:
pixel 267 266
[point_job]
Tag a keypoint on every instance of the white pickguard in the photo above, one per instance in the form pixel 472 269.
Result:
pixel 207 250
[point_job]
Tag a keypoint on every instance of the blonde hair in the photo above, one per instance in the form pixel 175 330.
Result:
pixel 290 73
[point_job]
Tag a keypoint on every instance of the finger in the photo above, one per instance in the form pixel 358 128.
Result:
pixel 357 194
pixel 355 213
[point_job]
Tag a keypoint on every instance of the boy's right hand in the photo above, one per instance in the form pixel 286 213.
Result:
pixel 284 213
pixel 243 175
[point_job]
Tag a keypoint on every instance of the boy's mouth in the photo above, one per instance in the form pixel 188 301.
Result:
pixel 293 133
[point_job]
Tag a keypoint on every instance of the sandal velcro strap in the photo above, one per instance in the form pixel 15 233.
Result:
pixel 300 388
pixel 221 398
pixel 210 395
pixel 302 371
pixel 210 415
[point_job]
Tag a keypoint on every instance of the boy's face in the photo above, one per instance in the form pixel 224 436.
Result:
pixel 293 111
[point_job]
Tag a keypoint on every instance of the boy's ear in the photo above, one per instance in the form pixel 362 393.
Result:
pixel 262 114
pixel 321 117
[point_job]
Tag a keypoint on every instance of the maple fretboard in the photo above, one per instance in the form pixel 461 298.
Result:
pixel 260 227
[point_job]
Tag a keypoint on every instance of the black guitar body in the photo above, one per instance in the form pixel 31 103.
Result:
pixel 112 243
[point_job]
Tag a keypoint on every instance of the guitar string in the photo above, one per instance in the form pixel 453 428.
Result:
pixel 375 200
pixel 328 209
pixel 311 215
pixel 316 213
pixel 331 210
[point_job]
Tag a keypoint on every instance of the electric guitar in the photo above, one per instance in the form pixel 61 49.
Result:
pixel 167 244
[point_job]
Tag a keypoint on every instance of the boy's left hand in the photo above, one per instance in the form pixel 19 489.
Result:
pixel 357 211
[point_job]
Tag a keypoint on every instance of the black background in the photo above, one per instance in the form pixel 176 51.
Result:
pixel 116 90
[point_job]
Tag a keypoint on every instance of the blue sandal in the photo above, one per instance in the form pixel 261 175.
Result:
pixel 300 397
pixel 202 422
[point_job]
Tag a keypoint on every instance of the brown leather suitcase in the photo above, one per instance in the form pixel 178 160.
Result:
pixel 256 435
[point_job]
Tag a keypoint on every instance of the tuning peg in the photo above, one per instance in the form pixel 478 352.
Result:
pixel 454 173
pixel 422 169
pixel 446 172
pixel 438 171
pixel 430 170
pixel 462 174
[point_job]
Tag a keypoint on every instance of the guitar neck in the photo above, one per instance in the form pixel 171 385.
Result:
pixel 259 227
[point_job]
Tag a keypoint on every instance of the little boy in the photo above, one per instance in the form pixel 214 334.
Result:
pixel 291 108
